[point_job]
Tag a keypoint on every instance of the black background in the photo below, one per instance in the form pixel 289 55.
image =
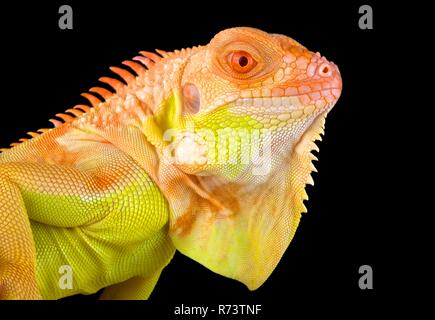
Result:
pixel 350 215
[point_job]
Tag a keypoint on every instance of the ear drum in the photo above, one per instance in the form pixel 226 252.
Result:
pixel 191 99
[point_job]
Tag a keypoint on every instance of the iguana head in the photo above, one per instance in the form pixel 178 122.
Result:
pixel 239 131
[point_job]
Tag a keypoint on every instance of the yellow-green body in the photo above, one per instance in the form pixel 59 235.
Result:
pixel 104 231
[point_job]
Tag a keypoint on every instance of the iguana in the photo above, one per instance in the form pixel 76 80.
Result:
pixel 205 150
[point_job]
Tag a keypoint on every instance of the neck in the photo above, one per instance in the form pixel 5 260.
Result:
pixel 238 230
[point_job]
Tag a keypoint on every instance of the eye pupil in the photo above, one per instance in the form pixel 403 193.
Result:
pixel 243 61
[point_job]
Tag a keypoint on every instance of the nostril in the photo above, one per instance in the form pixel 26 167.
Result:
pixel 325 70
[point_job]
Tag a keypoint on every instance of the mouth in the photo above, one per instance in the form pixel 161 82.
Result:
pixel 282 108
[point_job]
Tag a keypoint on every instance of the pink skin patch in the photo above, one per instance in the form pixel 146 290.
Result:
pixel 278 92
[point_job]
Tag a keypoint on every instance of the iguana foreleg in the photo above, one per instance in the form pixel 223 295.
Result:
pixel 74 206
pixel 17 250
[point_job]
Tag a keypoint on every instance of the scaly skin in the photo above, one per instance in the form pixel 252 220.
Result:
pixel 206 150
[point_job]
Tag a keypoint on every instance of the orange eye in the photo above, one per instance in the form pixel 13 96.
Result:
pixel 241 61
